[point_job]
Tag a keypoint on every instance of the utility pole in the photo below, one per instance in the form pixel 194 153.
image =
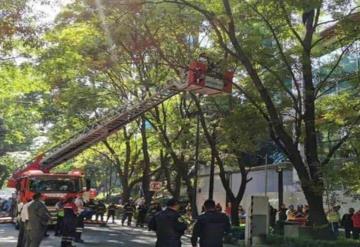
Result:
pixel 197 143
pixel 211 176
pixel 280 186
pixel 266 174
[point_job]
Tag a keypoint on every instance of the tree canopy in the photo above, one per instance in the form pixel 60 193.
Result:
pixel 296 88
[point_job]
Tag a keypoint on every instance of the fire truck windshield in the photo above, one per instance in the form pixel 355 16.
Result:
pixel 41 184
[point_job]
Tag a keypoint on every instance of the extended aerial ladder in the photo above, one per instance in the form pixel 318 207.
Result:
pixel 197 81
pixel 101 130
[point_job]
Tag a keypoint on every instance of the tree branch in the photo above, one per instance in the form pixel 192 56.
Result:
pixel 334 148
pixel 322 83
pixel 288 21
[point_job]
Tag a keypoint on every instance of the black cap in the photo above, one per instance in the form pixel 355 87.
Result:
pixel 172 202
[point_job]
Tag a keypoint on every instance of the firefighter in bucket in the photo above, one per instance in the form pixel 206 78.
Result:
pixel 209 78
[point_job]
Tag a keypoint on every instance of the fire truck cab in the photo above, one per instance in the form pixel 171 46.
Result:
pixel 53 186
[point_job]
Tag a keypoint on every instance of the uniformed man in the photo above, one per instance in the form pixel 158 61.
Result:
pixel 111 212
pixel 142 209
pixel 210 227
pixel 129 209
pixel 69 222
pixel 100 210
pixel 168 225
pixel 59 206
pixel 92 209
pixel 39 217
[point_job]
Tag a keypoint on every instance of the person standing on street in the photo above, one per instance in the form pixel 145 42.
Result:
pixel 142 209
pixel 129 209
pixel 39 217
pixel 210 227
pixel 59 206
pixel 19 207
pixel 356 223
pixel 79 202
pixel 69 222
pixel 24 217
pixel 333 218
pixel 155 208
pixel 168 225
pixel 100 211
pixel 347 223
pixel 111 212
pixel 92 209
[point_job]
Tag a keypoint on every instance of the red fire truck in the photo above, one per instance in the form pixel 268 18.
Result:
pixel 53 186
pixel 36 176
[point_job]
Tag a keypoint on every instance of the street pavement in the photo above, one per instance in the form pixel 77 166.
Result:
pixel 109 236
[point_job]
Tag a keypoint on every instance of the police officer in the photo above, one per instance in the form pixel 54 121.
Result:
pixel 39 217
pixel 168 225
pixel 210 227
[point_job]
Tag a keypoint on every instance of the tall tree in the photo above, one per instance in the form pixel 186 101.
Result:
pixel 275 44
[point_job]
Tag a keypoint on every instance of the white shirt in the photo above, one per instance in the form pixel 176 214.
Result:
pixel 79 204
pixel 24 215
pixel 19 208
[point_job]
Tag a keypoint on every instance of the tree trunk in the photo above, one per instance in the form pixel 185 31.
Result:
pixel 235 221
pixel 314 196
pixel 317 216
pixel 126 194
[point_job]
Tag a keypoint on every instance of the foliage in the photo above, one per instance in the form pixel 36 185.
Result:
pixel 101 55
pixel 304 242
pixel 274 44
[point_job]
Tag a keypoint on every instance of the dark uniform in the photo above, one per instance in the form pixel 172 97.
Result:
pixel 92 209
pixel 129 209
pixel 210 228
pixel 100 211
pixel 59 218
pixel 142 209
pixel 153 210
pixel 69 224
pixel 169 228
pixel 39 217
pixel 111 212
pixel 348 225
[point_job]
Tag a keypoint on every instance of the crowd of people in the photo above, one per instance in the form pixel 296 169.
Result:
pixel 33 218
pixel 168 223
pixel 350 221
